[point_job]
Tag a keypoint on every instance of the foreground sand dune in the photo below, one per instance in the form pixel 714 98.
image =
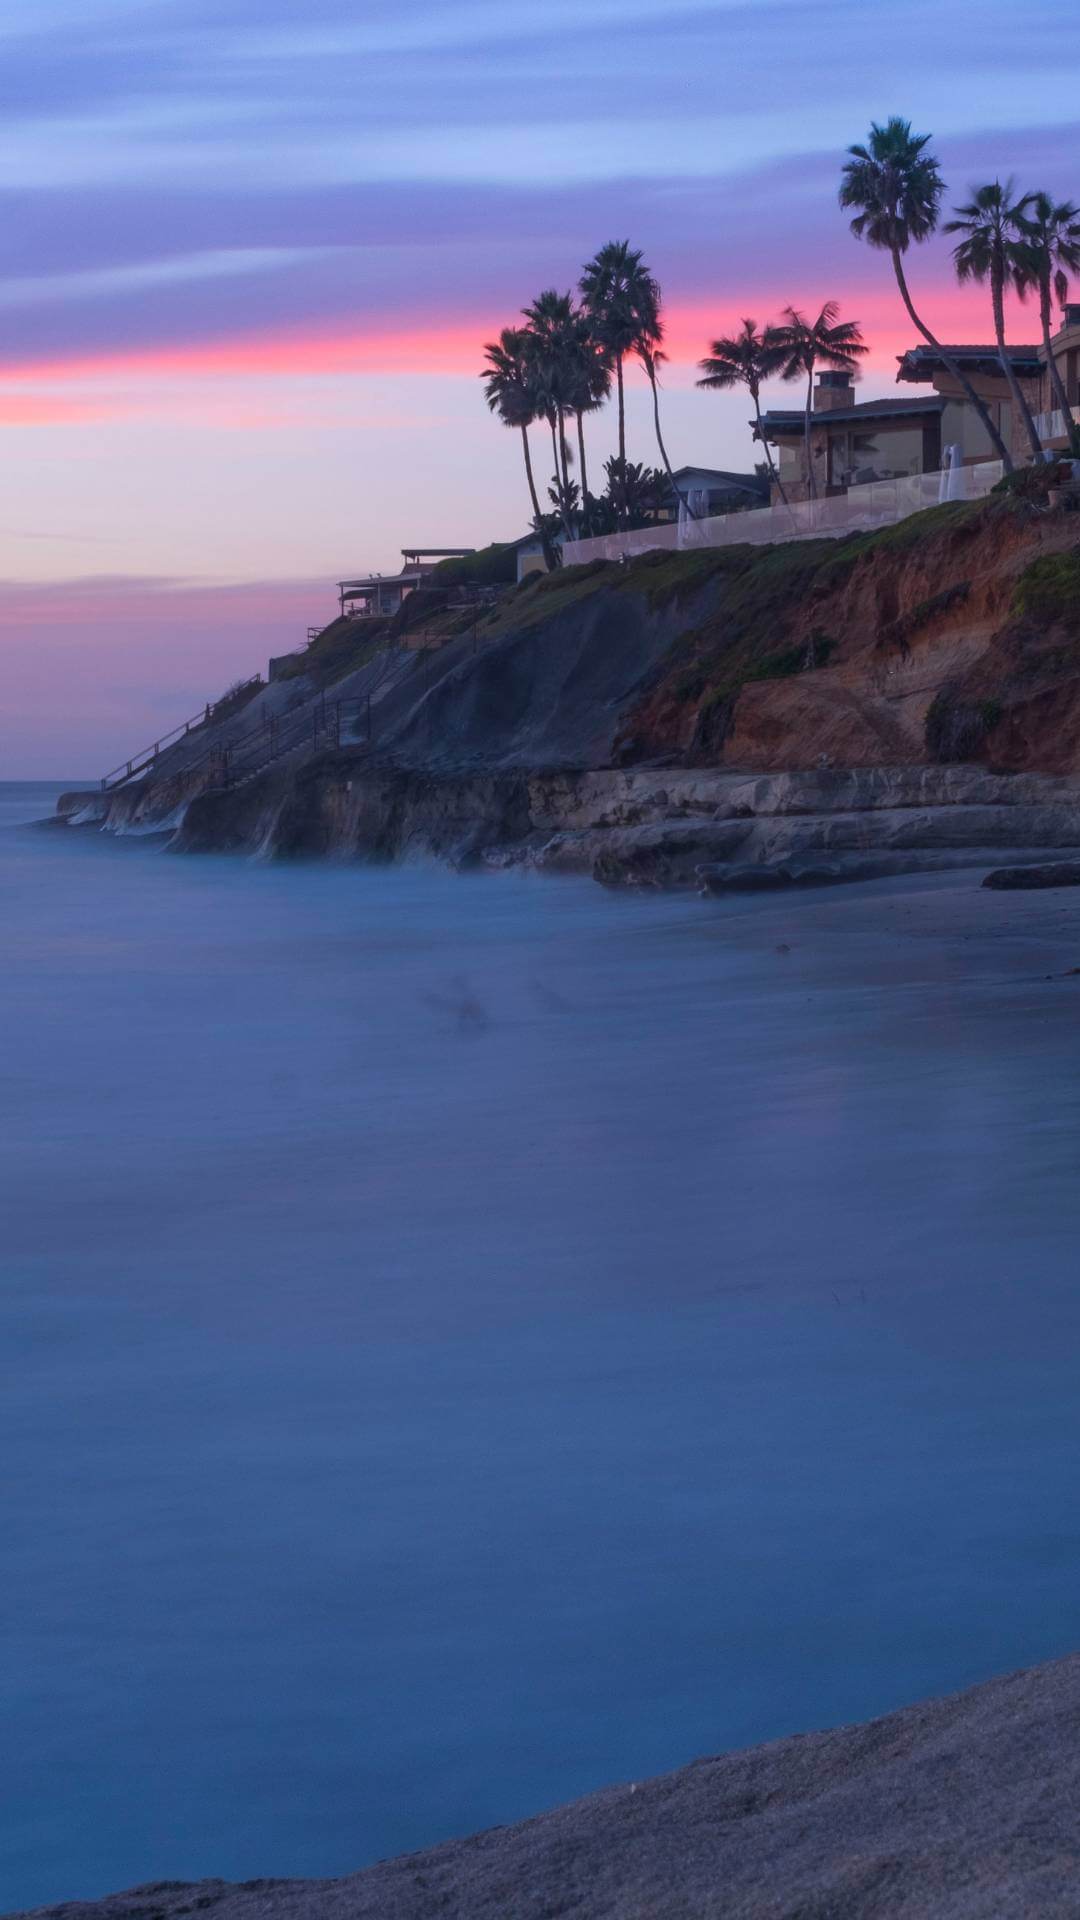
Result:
pixel 966 1806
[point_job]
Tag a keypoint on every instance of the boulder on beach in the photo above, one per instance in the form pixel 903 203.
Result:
pixel 1058 873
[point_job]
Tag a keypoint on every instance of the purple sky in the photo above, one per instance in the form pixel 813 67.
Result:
pixel 251 259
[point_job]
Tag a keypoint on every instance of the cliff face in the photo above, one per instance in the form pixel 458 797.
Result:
pixel 953 636
pixel 603 718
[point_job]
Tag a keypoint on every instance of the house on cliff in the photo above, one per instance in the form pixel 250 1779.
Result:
pixel 983 368
pixel 385 593
pixel 855 442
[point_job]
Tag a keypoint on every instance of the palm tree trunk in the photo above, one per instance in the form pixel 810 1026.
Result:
pixel 1057 384
pixel 537 515
pixel 681 498
pixel 560 489
pixel 951 366
pixel 551 560
pixel 811 484
pixel 774 471
pixel 622 439
pixel 1021 405
pixel 564 467
pixel 581 460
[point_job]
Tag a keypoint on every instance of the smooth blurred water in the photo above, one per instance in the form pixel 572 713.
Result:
pixel 467 1340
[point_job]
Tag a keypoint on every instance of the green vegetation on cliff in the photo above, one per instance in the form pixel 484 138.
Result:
pixel 339 649
pixel 494 566
pixel 1048 591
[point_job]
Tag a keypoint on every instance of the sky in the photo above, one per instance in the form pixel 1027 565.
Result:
pixel 252 250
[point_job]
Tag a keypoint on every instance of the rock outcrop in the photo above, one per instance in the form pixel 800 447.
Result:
pixel 681 720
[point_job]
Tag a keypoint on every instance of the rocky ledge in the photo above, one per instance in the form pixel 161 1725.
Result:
pixel 966 1808
pixel 708 828
pixel 678 721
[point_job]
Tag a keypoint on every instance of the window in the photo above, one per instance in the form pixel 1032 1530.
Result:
pixel 884 451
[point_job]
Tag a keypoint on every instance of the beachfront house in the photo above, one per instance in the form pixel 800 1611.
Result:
pixel 1065 346
pixel 713 490
pixel 853 442
pixel 983 368
pixel 530 553
pixel 385 593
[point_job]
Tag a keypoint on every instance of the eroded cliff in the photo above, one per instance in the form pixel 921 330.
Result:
pixel 606 717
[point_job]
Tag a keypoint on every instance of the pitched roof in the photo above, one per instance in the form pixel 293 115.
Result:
pixel 780 421
pixel 918 362
pixel 534 539
pixel 719 477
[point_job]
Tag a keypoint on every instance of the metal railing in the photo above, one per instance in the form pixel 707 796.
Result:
pixel 142 761
pixel 879 503
pixel 232 763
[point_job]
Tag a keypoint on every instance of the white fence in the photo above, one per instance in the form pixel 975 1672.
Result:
pixel 880 504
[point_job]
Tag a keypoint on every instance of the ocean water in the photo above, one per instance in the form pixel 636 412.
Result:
pixel 467 1340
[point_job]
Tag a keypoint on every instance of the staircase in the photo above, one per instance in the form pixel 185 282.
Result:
pixel 148 757
pixel 234 763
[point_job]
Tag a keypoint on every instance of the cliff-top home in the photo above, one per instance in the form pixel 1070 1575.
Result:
pixel 854 441
pixel 382 593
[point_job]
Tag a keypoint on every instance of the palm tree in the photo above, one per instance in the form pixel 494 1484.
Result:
pixel 1045 256
pixel 510 391
pixel 896 188
pixel 745 359
pixel 551 335
pixel 590 381
pixel 991 249
pixel 549 407
pixel 645 489
pixel 652 355
pixel 807 344
pixel 622 301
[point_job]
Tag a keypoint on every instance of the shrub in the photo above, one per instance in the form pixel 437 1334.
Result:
pixel 927 610
pixel 1048 591
pixel 803 658
pixel 494 566
pixel 1034 483
pixel 957 729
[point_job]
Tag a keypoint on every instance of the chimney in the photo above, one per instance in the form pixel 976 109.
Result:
pixel 833 390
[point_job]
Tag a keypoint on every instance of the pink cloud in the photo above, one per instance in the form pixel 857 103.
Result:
pixel 412 345
pixel 389 348
pixel 131 600
pixel 47 410
pixel 955 313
